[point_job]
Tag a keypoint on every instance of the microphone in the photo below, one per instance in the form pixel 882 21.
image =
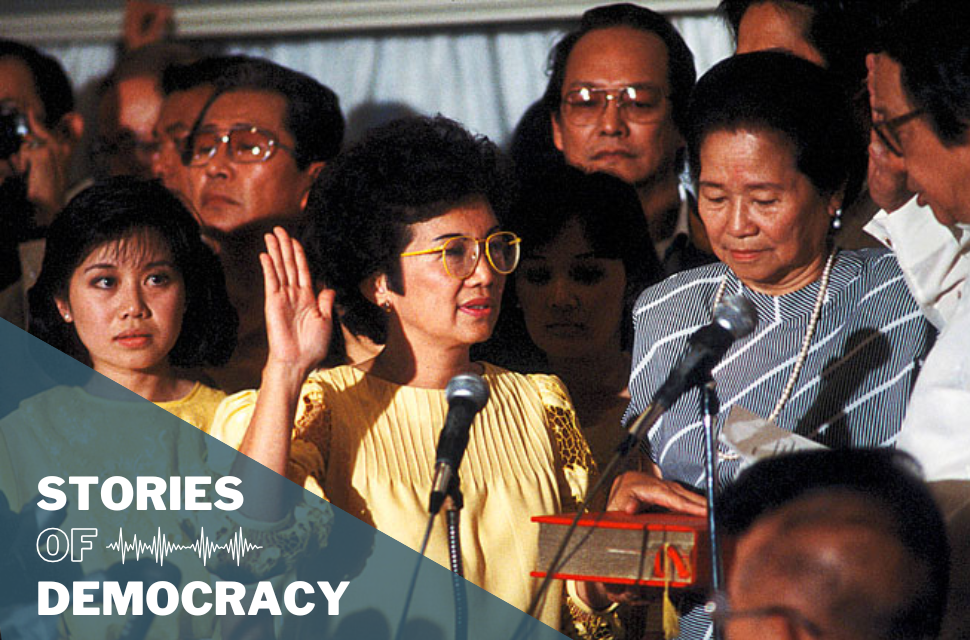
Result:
pixel 735 317
pixel 467 394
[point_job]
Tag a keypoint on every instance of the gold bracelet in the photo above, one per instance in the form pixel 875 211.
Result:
pixel 589 623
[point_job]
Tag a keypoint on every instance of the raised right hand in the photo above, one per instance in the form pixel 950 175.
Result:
pixel 299 323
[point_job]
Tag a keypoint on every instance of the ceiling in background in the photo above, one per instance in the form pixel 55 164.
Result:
pixel 100 20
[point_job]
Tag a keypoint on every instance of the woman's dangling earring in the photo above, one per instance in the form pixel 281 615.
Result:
pixel 386 306
pixel 837 219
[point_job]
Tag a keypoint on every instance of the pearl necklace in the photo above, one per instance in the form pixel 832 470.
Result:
pixel 806 341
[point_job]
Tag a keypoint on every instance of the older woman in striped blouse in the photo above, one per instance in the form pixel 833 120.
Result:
pixel 839 339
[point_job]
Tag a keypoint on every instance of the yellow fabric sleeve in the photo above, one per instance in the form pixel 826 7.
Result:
pixel 310 435
pixel 574 455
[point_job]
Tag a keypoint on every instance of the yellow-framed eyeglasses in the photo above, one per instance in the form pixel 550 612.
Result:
pixel 460 254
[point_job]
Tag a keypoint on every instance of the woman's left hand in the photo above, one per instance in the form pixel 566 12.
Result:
pixel 299 322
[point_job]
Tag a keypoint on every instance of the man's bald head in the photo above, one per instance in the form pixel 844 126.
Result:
pixel 846 544
pixel 835 560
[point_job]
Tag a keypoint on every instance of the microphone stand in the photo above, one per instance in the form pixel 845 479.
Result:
pixel 710 406
pixel 453 505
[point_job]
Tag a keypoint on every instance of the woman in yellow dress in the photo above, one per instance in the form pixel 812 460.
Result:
pixel 406 230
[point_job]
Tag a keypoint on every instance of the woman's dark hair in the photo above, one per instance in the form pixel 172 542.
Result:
pixel 531 146
pixel 115 209
pixel 778 92
pixel 360 208
pixel 610 217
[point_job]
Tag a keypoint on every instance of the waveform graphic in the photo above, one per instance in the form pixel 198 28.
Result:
pixel 160 547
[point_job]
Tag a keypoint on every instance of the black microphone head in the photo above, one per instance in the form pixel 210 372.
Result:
pixel 468 387
pixel 737 315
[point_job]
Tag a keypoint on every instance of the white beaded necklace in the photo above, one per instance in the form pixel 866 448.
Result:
pixel 806 341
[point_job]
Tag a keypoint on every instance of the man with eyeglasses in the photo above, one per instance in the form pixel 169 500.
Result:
pixel 250 158
pixel 617 98
pixel 186 90
pixel 920 98
pixel 921 123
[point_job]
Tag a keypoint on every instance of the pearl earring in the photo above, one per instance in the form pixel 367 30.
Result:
pixel 837 219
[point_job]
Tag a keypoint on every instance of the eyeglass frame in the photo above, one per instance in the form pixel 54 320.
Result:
pixel 886 130
pixel 612 96
pixel 721 612
pixel 223 140
pixel 516 241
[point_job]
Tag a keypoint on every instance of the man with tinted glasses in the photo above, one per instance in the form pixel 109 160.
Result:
pixel 921 122
pixel 251 156
pixel 187 89
pixel 261 140
pixel 617 98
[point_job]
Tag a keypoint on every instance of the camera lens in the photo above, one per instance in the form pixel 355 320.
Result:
pixel 13 129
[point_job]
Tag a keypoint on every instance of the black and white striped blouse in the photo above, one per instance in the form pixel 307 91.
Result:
pixel 861 366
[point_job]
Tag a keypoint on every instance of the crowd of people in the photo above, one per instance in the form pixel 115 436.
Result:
pixel 307 302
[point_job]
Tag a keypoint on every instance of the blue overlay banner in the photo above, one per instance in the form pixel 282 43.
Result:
pixel 120 521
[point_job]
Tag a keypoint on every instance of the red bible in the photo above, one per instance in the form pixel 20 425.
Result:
pixel 620 548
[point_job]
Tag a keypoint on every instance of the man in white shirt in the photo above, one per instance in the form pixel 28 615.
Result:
pixel 920 98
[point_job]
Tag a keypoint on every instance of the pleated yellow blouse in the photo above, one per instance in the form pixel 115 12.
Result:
pixel 368 446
